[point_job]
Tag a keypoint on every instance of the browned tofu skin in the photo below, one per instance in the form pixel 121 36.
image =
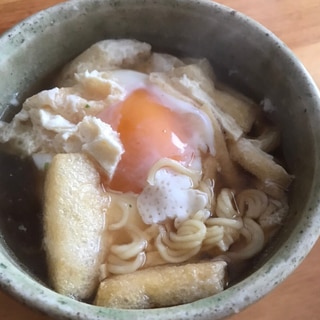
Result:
pixel 74 223
pixel 162 286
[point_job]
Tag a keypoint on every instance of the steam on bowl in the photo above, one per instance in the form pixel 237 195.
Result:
pixel 244 55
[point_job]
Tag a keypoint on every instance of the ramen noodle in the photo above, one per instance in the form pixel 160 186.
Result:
pixel 149 165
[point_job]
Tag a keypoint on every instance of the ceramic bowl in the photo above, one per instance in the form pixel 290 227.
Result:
pixel 245 55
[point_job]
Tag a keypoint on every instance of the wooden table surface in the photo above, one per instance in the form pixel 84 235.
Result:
pixel 297 23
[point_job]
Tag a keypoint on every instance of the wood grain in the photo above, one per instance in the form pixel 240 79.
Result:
pixel 297 23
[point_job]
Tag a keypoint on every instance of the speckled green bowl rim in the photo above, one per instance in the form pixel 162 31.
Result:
pixel 232 300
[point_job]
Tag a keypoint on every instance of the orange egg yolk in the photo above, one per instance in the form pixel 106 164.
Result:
pixel 148 131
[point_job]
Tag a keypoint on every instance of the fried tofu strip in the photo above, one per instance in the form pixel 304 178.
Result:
pixel 240 108
pixel 162 286
pixel 74 222
pixel 261 165
pixel 269 140
pixel 103 56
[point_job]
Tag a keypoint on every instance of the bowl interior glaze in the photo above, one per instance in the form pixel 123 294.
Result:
pixel 244 54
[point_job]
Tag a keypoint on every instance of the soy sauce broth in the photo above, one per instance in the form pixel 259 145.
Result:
pixel 21 212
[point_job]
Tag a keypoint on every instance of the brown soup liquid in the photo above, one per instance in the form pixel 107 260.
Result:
pixel 21 212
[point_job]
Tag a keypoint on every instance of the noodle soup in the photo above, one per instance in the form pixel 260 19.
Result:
pixel 151 168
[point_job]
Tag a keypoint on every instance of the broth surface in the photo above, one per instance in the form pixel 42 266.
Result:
pixel 21 212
